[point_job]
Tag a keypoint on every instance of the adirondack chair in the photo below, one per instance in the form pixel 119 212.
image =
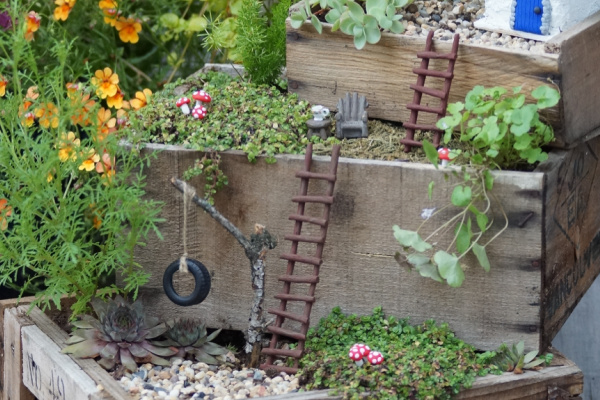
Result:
pixel 351 118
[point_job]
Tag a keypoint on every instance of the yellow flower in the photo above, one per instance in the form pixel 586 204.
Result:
pixel 33 24
pixel 48 115
pixel 64 8
pixel 106 82
pixel 28 119
pixel 116 101
pixel 106 124
pixel 3 83
pixel 128 29
pixel 90 159
pixel 104 4
pixel 32 93
pixel 5 211
pixel 141 99
pixel 67 146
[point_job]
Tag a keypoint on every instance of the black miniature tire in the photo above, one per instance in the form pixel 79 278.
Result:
pixel 201 285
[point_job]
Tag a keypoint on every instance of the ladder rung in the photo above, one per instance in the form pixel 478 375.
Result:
pixel 302 259
pixel 288 315
pixel 280 368
pixel 411 142
pixel 299 278
pixel 309 219
pixel 286 332
pixel 432 92
pixel 295 297
pixel 433 72
pixel 307 239
pixel 281 352
pixel 432 55
pixel 421 127
pixel 314 175
pixel 313 199
pixel 419 107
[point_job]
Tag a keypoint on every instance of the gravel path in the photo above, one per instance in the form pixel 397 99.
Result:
pixel 449 17
pixel 190 380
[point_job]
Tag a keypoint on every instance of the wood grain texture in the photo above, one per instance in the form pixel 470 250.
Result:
pixel 359 272
pixel 13 388
pixel 323 68
pixel 578 63
pixel 572 232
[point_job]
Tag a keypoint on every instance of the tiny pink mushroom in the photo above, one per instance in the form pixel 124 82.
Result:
pixel 201 97
pixel 444 155
pixel 199 112
pixel 183 104
pixel 375 358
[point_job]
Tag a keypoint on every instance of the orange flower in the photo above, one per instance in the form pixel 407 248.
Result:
pixel 104 4
pixel 64 8
pixel 28 119
pixel 5 211
pixel 116 101
pixel 3 83
pixel 48 115
pixel 94 213
pixel 90 159
pixel 121 118
pixel 33 24
pixel 106 124
pixel 128 29
pixel 109 8
pixel 67 146
pixel 106 83
pixel 106 167
pixel 82 107
pixel 32 93
pixel 141 99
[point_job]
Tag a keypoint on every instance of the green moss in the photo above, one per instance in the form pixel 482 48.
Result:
pixel 421 362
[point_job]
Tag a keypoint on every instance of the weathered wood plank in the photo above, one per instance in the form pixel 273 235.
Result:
pixel 322 68
pixel 572 232
pixel 13 388
pixel 359 272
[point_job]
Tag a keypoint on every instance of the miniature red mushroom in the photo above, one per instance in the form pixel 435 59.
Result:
pixel 199 112
pixel 183 104
pixel 201 97
pixel 375 358
pixel 357 352
pixel 444 155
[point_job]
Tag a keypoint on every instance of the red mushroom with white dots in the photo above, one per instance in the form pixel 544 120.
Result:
pixel 357 352
pixel 199 112
pixel 444 155
pixel 201 97
pixel 183 103
pixel 375 358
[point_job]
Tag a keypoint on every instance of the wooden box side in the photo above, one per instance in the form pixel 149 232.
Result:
pixel 322 68
pixel 359 271
pixel 572 232
pixel 12 368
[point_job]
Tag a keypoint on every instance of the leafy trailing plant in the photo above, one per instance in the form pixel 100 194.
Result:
pixel 365 24
pixel 513 359
pixel 261 40
pixel 496 131
pixel 120 336
pixel 425 361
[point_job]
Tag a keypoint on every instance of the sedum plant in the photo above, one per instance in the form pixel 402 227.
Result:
pixel 189 336
pixel 513 359
pixel 120 336
pixel 496 130
pixel 363 20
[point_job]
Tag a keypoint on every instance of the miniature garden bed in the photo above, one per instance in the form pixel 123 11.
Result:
pixel 322 68
pixel 35 341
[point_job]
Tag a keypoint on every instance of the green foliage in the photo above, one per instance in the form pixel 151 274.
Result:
pixel 425 361
pixel 496 131
pixel 261 40
pixel 363 20
pixel 514 359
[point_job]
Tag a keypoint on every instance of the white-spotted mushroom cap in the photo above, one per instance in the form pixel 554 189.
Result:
pixel 182 103
pixel 199 112
pixel 375 358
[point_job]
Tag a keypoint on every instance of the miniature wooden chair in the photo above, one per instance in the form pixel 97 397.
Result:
pixel 351 118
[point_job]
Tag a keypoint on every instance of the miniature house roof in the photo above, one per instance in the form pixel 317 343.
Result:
pixel 543 17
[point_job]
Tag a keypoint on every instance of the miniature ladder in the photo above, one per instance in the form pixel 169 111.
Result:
pixel 422 72
pixel 292 258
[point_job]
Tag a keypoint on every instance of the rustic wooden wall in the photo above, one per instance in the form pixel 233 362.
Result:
pixel 358 272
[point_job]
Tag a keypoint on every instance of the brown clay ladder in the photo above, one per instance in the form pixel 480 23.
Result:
pixel 422 72
pixel 292 258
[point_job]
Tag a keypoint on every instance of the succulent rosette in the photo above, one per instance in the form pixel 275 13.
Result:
pixel 120 335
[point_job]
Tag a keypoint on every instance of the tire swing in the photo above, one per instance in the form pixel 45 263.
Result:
pixel 187 265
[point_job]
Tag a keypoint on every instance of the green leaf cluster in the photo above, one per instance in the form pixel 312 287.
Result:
pixel 261 40
pixel 496 131
pixel 513 359
pixel 362 19
pixel 422 362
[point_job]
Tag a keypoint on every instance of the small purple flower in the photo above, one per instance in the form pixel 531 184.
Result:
pixel 5 21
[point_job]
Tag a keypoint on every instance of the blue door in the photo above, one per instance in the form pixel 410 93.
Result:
pixel 528 16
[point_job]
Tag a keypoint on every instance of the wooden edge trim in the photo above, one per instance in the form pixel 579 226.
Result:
pixel 555 44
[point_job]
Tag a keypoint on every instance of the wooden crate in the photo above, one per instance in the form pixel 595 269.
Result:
pixel 49 374
pixel 322 68
pixel 541 266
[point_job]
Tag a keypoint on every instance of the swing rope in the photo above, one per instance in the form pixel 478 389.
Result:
pixel 188 194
